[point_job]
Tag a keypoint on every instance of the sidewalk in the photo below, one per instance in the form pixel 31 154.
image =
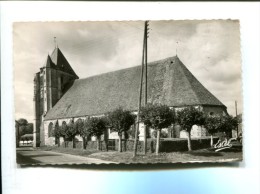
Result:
pixel 34 156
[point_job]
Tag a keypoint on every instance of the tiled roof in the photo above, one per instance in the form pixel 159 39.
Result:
pixel 169 82
pixel 61 62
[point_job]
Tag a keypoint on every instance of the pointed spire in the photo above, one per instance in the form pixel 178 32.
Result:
pixel 48 62
pixel 61 62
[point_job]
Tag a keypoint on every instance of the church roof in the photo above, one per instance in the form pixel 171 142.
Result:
pixel 60 62
pixel 169 82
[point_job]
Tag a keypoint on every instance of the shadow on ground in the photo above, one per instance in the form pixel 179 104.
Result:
pixel 25 160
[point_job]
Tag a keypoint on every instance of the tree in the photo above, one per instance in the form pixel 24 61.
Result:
pixel 227 124
pixel 72 132
pixel 120 121
pixel 212 124
pixel 64 132
pixel 22 127
pixel 157 116
pixel 57 133
pixel 95 127
pixel 188 117
pixel 22 121
pixel 82 130
pixel 29 128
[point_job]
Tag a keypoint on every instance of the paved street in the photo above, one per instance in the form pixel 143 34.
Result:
pixel 28 155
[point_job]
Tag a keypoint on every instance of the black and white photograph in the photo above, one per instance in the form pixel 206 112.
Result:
pixel 128 92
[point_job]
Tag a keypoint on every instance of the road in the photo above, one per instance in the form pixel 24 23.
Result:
pixel 28 155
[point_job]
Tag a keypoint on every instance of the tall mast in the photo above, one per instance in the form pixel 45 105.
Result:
pixel 145 89
pixel 140 92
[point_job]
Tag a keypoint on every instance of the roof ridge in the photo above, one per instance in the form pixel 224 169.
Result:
pixel 198 82
pixel 186 78
pixel 124 69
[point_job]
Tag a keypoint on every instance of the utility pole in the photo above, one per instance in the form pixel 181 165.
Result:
pixel 236 116
pixel 141 91
pixel 145 90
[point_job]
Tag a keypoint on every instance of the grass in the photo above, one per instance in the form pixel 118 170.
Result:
pixel 173 157
pixel 72 151
pixel 203 155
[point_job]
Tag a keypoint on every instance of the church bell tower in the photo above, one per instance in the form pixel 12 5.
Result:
pixel 50 83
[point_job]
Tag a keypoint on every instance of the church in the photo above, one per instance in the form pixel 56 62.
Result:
pixel 60 95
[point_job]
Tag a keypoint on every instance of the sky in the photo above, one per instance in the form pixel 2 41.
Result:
pixel 210 49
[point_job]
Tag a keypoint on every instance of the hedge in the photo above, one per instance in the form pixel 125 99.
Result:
pixel 166 144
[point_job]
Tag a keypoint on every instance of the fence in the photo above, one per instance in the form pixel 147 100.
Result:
pixel 166 145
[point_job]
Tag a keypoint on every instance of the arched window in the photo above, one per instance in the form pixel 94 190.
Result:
pixel 50 130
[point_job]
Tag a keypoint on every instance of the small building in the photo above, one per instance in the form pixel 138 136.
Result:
pixel 59 94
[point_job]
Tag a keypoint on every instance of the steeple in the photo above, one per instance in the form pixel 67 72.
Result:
pixel 61 62
pixel 49 62
pixel 50 84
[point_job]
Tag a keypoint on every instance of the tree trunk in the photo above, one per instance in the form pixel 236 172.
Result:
pixel 189 141
pixel 211 140
pixel 158 141
pixel 64 141
pixel 83 142
pixel 58 141
pixel 120 143
pixel 73 142
pixel 98 144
